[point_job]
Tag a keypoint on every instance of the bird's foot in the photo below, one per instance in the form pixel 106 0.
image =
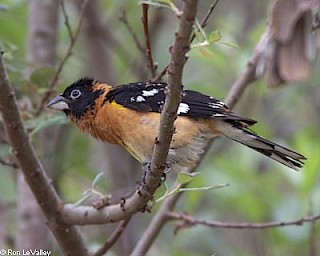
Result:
pixel 142 183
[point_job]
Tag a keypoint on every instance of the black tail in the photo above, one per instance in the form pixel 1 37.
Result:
pixel 274 151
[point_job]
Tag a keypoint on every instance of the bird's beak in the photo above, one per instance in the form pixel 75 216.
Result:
pixel 58 103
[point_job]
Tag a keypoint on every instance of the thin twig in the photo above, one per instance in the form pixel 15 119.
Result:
pixel 150 62
pixel 113 238
pixel 189 221
pixel 161 74
pixel 56 76
pixel 203 24
pixel 66 20
pixel 205 19
pixel 123 18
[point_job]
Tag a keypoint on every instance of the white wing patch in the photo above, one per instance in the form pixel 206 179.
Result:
pixel 140 99
pixel 218 105
pixel 150 93
pixel 218 115
pixel 183 108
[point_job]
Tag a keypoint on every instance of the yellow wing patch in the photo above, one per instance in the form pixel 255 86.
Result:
pixel 116 105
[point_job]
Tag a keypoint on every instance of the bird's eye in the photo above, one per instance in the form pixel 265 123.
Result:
pixel 75 94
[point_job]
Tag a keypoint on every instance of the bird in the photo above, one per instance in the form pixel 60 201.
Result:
pixel 129 115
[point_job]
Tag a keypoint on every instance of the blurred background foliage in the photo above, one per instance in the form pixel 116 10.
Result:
pixel 260 190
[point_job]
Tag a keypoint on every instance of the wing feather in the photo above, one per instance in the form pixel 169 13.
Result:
pixel 150 97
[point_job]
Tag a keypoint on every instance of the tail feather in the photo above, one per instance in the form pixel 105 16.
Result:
pixel 270 149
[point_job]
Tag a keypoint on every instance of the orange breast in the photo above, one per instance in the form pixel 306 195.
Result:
pixel 136 131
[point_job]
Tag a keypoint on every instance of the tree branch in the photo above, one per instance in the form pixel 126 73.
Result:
pixel 154 228
pixel 66 20
pixel 150 62
pixel 169 114
pixel 113 238
pixel 67 236
pixel 188 221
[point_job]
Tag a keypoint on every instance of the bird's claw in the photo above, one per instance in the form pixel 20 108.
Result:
pixel 143 185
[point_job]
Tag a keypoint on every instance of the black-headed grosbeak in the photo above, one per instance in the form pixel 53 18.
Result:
pixel 129 115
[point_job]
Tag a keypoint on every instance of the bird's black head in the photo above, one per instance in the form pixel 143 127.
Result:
pixel 77 98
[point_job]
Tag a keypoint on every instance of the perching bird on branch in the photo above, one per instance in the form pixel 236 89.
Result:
pixel 129 115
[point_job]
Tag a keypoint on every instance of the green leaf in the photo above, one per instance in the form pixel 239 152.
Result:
pixel 42 122
pixel 205 52
pixel 87 195
pixel 97 179
pixel 186 177
pixel 205 188
pixel 229 44
pixel 214 36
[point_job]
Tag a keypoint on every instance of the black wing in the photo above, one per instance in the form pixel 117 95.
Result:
pixel 150 97
pixel 144 96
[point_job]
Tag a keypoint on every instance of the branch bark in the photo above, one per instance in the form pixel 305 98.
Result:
pixel 113 238
pixel 189 220
pixel 169 114
pixel 67 236
pixel 150 63
pixel 155 226
pixel 41 52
